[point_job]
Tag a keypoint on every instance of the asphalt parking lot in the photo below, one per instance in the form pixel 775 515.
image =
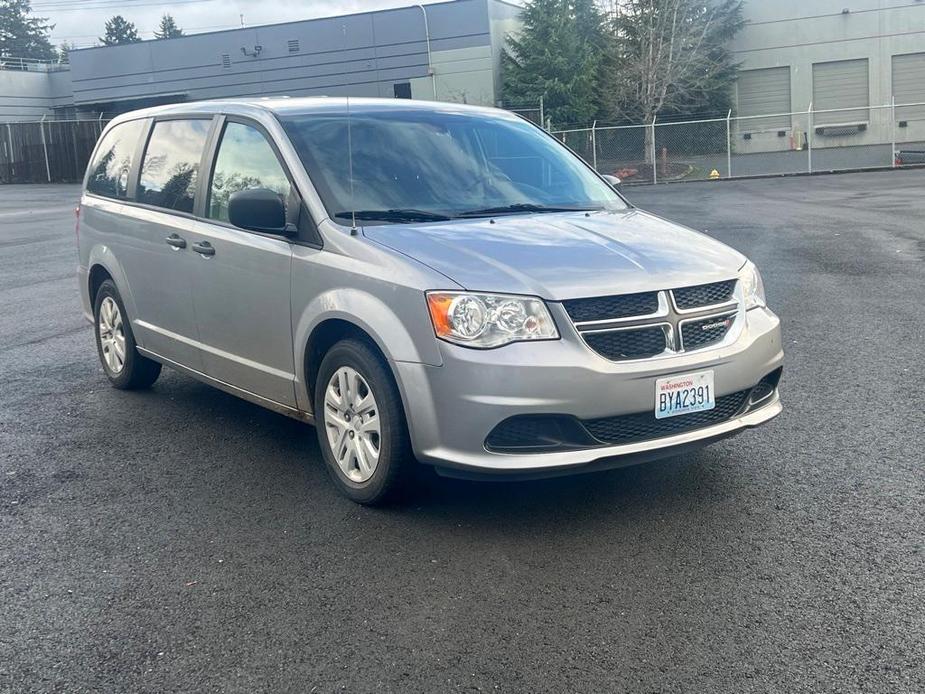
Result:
pixel 182 540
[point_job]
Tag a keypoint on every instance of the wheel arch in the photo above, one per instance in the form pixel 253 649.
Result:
pixel 340 314
pixel 95 278
pixel 323 337
pixel 102 265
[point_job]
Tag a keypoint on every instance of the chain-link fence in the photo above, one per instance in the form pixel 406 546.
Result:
pixel 48 151
pixel 57 151
pixel 785 143
pixel 533 112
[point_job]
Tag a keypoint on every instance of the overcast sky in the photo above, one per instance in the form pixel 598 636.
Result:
pixel 82 21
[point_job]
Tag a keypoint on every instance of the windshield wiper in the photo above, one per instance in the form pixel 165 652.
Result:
pixel 400 215
pixel 524 207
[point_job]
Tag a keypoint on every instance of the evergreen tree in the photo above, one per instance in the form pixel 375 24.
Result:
pixel 558 57
pixel 64 52
pixel 119 31
pixel 168 28
pixel 22 35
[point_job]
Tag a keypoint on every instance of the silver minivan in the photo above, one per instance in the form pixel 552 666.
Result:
pixel 423 282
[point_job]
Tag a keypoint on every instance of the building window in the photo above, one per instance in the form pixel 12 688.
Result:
pixel 764 92
pixel 841 88
pixel 402 90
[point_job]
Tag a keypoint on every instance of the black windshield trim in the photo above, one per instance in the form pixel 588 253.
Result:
pixel 397 215
pixel 524 209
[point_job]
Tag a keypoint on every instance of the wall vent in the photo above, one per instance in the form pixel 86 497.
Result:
pixel 293 45
pixel 226 61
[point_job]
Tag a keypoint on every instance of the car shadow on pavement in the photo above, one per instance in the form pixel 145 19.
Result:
pixel 240 447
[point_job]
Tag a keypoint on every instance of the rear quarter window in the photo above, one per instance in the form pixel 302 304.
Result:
pixel 112 163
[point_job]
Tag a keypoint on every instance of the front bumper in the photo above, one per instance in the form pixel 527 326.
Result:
pixel 453 408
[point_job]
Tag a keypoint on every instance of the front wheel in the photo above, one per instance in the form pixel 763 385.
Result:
pixel 361 424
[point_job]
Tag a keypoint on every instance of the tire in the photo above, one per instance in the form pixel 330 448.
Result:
pixel 114 332
pixel 349 426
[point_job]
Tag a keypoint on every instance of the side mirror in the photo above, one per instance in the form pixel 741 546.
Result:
pixel 259 209
pixel 614 182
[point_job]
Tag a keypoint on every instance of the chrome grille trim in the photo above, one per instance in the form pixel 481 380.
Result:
pixel 700 309
pixel 705 288
pixel 667 330
pixel 612 307
pixel 662 312
pixel 672 320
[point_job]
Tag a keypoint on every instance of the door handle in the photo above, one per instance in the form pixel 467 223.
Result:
pixel 204 248
pixel 176 242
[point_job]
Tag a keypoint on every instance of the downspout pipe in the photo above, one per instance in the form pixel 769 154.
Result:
pixel 430 62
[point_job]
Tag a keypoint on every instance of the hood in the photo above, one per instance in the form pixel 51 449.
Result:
pixel 564 255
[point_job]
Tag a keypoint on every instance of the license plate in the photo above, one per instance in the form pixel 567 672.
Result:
pixel 683 394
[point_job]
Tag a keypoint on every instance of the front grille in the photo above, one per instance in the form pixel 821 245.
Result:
pixel 649 324
pixel 548 433
pixel 644 426
pixel 637 343
pixel 610 307
pixel 705 331
pixel 704 295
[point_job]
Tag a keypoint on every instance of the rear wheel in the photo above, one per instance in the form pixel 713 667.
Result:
pixel 125 368
pixel 361 424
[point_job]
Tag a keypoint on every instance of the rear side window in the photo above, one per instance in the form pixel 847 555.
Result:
pixel 170 168
pixel 245 160
pixel 110 168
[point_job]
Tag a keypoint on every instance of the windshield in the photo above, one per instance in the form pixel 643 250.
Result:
pixel 421 165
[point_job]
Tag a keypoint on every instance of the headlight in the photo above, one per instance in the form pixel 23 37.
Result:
pixel 489 320
pixel 752 286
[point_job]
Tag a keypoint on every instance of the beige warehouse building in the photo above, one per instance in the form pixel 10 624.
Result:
pixel 848 60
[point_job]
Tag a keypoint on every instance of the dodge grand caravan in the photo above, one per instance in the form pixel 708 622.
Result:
pixel 421 281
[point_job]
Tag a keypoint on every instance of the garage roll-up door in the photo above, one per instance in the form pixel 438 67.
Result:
pixel 841 84
pixel 764 92
pixel 909 85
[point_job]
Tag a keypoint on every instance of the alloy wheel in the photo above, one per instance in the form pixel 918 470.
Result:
pixel 112 335
pixel 351 420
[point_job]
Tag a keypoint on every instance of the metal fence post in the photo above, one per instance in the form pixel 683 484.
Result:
pixel 653 152
pixel 809 137
pixel 542 113
pixel 893 131
pixel 594 145
pixel 728 145
pixel 45 148
pixel 74 132
pixel 9 135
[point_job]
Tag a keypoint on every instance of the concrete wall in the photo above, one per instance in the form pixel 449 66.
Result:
pixel 26 96
pixel 461 75
pixel 504 20
pixel 797 33
pixel 359 55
